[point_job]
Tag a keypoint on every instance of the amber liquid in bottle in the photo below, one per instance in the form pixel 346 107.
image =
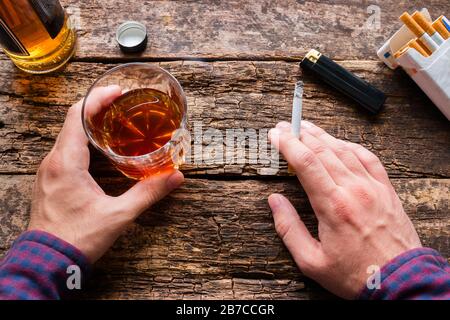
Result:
pixel 137 123
pixel 36 34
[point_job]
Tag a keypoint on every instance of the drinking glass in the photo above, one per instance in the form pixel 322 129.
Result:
pixel 144 130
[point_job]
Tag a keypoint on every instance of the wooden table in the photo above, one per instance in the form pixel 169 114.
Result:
pixel 238 62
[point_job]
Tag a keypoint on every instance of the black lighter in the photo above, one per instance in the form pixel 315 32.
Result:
pixel 369 97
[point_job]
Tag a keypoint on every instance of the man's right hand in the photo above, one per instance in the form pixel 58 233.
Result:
pixel 361 219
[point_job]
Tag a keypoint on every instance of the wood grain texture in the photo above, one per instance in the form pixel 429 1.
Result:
pixel 243 29
pixel 189 247
pixel 240 95
pixel 237 61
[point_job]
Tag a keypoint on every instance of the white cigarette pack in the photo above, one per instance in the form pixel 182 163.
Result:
pixel 432 74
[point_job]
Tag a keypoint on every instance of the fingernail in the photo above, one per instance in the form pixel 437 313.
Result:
pixel 283 125
pixel 307 124
pixel 175 180
pixel 275 201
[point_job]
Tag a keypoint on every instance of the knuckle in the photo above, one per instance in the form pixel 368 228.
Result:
pixel 305 159
pixel 316 131
pixel 357 148
pixel 292 143
pixel 151 195
pixel 288 145
pixel 370 159
pixel 353 145
pixel 363 151
pixel 341 207
pixel 366 156
pixel 342 148
pixel 52 165
pixel 319 148
pixel 363 194
pixel 283 228
pixel 72 111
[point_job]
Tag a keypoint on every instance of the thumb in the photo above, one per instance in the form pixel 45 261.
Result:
pixel 298 240
pixel 147 192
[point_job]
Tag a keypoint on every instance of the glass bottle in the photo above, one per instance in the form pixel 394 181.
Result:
pixel 36 34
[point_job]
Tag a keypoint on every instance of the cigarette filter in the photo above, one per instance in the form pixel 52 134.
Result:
pixel 419 32
pixel 369 97
pixel 414 44
pixel 428 27
pixel 412 24
pixel 420 48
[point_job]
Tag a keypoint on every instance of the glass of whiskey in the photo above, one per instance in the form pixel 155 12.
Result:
pixel 143 130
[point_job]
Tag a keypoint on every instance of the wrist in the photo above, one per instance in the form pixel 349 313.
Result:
pixel 55 242
pixel 46 267
pixel 401 272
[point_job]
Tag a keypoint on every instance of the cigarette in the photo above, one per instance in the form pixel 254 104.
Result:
pixel 420 48
pixel 428 27
pixel 412 25
pixel 414 44
pixel 417 30
pixel 440 27
pixel 297 106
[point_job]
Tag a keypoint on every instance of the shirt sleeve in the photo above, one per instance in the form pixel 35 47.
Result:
pixel 40 266
pixel 419 274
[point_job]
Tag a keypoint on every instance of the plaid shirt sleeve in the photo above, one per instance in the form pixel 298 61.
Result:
pixel 36 267
pixel 419 274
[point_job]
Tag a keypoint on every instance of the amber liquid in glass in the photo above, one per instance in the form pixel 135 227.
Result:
pixel 43 41
pixel 137 123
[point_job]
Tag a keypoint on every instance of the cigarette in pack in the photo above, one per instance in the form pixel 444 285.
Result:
pixel 419 32
pixel 428 28
pixel 442 26
pixel 412 44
